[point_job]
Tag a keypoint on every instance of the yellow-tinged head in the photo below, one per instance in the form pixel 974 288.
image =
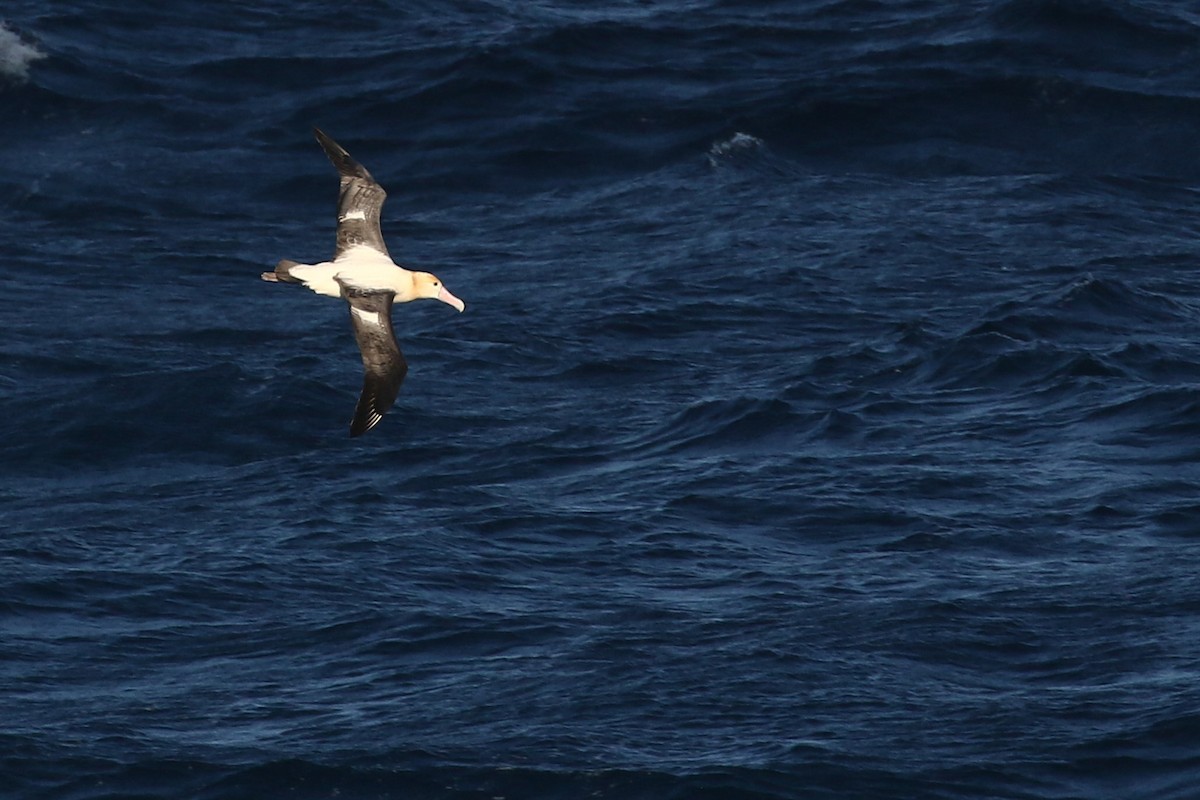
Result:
pixel 426 285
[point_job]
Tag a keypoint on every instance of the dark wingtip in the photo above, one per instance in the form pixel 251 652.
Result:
pixel 366 416
pixel 340 158
pixel 360 426
pixel 325 139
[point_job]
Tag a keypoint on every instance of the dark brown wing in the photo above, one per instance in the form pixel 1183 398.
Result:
pixel 384 366
pixel 359 200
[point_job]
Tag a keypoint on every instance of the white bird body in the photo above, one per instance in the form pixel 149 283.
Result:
pixel 361 267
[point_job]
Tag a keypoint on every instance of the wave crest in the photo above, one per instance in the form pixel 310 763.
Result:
pixel 15 55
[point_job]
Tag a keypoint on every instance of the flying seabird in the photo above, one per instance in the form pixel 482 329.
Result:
pixel 363 274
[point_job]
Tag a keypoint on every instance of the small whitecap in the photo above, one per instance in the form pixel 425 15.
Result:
pixel 15 55
pixel 738 143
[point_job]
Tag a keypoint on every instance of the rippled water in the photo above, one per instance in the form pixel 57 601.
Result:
pixel 823 421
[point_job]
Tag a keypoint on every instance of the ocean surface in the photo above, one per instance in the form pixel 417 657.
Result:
pixel 824 421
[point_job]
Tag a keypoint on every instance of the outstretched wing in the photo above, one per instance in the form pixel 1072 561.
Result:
pixel 359 201
pixel 384 366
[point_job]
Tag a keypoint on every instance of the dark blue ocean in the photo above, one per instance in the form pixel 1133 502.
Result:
pixel 824 421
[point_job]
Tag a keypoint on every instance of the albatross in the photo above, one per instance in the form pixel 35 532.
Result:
pixel 364 275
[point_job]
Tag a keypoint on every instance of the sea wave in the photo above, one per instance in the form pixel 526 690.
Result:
pixel 823 421
pixel 16 55
pixel 1121 761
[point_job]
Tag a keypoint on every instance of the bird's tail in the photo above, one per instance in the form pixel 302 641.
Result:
pixel 283 272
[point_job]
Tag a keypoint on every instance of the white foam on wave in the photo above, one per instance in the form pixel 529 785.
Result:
pixel 738 143
pixel 15 55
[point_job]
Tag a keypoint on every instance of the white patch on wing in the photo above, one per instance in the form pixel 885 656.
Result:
pixel 352 215
pixel 366 316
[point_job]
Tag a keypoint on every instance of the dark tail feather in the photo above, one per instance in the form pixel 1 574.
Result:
pixel 282 273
